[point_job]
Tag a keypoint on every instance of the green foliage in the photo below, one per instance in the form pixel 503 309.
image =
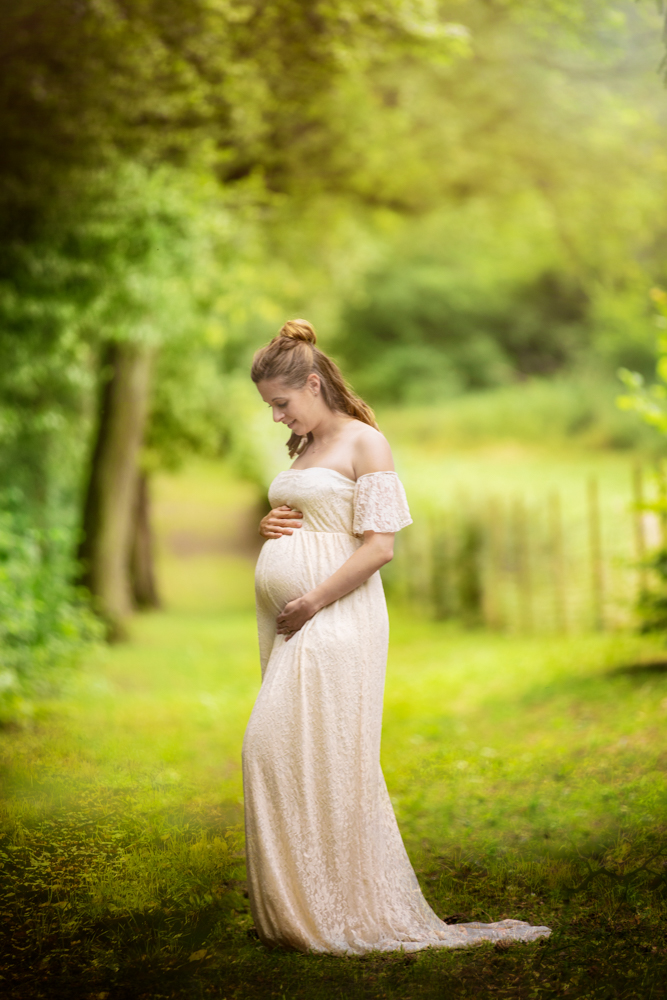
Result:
pixel 543 155
pixel 575 411
pixel 244 85
pixel 652 604
pixel 423 332
pixel 116 267
pixel 650 402
pixel 187 407
pixel 45 624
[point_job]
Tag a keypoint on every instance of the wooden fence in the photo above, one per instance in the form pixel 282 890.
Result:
pixel 535 565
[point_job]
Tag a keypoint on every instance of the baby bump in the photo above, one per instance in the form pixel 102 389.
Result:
pixel 290 566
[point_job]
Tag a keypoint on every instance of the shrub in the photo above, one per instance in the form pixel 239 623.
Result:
pixel 45 622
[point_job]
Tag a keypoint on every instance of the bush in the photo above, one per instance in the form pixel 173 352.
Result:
pixel 45 622
pixel 652 604
pixel 424 331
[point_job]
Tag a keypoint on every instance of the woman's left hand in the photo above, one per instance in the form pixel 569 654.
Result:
pixel 295 615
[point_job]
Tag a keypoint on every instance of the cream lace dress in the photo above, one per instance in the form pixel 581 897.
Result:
pixel 327 869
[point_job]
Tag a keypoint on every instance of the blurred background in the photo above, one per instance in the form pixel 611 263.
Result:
pixel 467 199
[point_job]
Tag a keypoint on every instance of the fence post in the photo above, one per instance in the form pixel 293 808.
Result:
pixel 493 605
pixel 521 549
pixel 557 562
pixel 441 582
pixel 662 500
pixel 595 546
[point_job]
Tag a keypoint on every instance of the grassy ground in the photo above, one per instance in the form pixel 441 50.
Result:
pixel 528 776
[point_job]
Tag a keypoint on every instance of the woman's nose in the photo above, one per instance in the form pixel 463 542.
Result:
pixel 277 416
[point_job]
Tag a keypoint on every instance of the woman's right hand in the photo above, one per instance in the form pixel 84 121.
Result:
pixel 280 521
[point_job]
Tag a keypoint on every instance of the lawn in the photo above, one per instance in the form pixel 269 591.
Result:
pixel 527 773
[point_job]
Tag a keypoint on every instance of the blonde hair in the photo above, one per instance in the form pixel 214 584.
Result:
pixel 292 357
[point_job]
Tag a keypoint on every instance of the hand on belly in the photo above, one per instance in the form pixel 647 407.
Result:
pixel 294 616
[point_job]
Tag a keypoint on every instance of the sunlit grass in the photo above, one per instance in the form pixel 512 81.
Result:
pixel 524 745
pixel 505 758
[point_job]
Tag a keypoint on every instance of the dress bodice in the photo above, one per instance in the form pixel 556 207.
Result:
pixel 331 502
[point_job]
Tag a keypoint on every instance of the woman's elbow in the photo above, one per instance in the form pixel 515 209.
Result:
pixel 386 554
pixel 381 548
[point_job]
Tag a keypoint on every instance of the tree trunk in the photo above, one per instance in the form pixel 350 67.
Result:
pixel 110 500
pixel 142 562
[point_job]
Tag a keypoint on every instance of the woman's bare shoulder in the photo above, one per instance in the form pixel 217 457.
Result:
pixel 371 451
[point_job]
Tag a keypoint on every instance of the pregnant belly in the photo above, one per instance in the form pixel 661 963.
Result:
pixel 290 566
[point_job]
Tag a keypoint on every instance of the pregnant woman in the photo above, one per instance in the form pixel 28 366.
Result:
pixel 327 869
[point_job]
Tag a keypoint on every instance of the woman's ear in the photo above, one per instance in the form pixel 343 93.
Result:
pixel 314 383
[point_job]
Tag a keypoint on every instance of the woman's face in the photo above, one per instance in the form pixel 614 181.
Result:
pixel 296 408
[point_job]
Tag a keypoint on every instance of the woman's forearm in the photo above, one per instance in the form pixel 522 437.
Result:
pixel 376 550
pixel 369 557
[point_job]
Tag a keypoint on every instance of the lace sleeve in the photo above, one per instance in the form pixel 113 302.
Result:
pixel 380 503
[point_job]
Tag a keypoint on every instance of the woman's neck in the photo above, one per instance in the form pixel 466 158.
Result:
pixel 327 430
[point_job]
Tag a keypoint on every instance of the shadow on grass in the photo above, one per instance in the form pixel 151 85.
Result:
pixel 639 670
pixel 102 905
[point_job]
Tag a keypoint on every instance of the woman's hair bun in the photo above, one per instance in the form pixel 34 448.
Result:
pixel 298 329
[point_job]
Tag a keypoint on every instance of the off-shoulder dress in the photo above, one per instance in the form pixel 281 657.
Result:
pixel 327 869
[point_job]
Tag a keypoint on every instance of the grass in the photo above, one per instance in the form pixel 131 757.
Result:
pixel 527 773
